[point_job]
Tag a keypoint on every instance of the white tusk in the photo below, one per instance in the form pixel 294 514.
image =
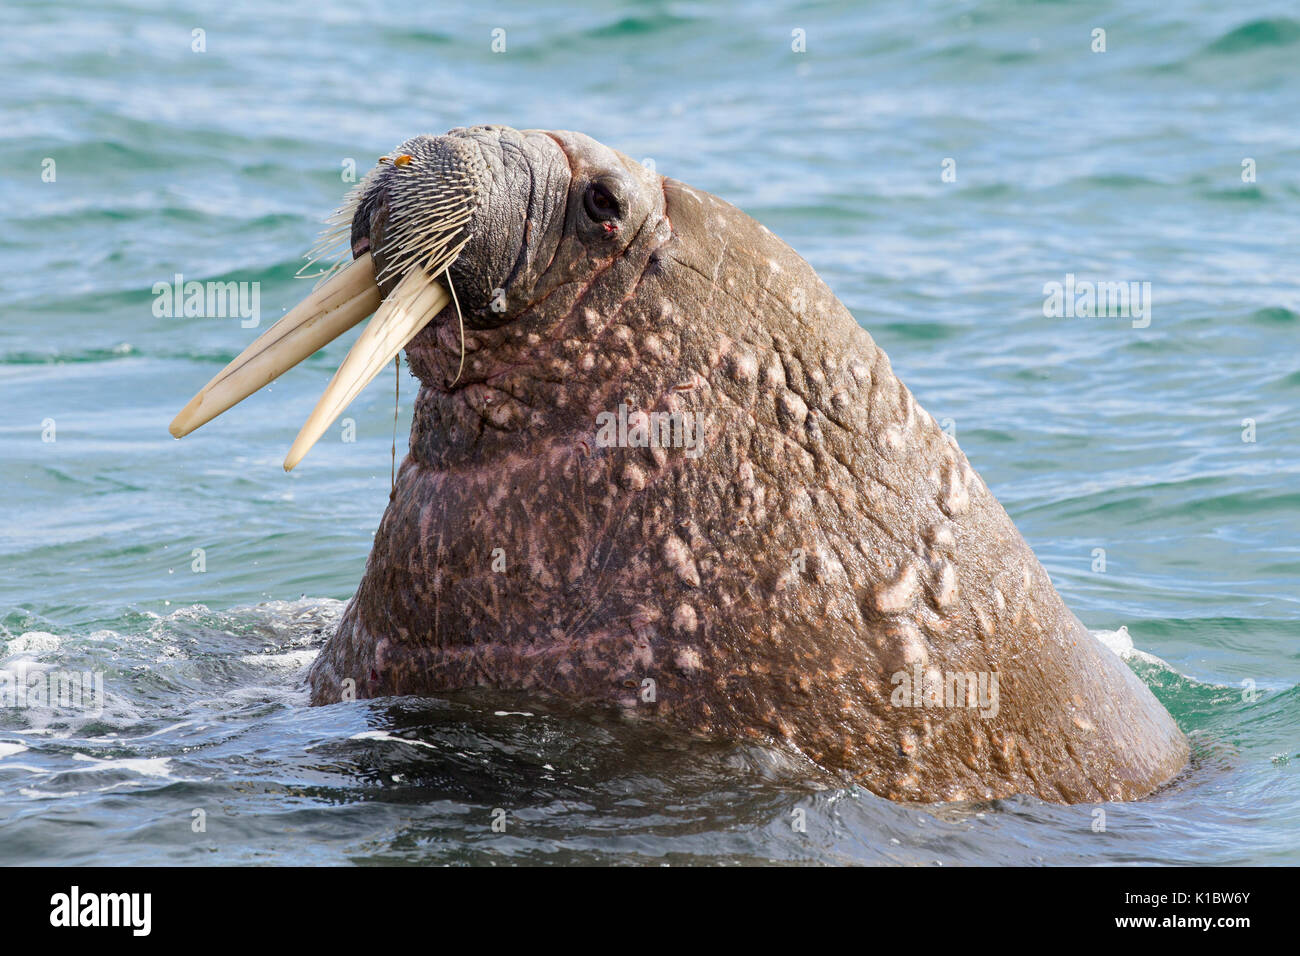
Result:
pixel 408 309
pixel 309 326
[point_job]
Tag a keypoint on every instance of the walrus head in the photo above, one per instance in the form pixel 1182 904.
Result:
pixel 656 464
pixel 465 244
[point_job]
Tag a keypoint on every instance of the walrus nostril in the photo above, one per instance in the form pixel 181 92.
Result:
pixel 361 246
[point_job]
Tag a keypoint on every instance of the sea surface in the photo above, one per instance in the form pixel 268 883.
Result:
pixel 1152 462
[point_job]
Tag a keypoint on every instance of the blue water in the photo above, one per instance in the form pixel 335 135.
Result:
pixel 1117 166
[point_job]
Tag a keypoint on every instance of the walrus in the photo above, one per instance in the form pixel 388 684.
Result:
pixel 656 465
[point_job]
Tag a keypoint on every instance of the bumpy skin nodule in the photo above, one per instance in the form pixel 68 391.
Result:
pixel 829 536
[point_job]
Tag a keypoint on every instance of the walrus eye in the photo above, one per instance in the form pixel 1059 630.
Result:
pixel 600 202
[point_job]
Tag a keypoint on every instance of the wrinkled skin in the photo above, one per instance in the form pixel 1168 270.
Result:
pixel 829 536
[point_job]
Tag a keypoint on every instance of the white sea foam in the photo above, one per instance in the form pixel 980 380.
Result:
pixel 291 660
pixel 144 766
pixel 381 735
pixel 1122 644
pixel 44 782
pixel 34 642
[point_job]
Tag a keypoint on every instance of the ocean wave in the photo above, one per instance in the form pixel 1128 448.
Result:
pixel 1257 34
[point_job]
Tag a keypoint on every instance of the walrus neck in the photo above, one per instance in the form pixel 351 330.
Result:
pixel 572 352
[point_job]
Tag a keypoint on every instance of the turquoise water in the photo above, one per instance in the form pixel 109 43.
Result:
pixel 1117 166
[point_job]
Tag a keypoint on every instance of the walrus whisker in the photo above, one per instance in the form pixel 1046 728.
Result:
pixel 433 255
pixel 426 226
pixel 332 242
pixel 460 321
pixel 397 397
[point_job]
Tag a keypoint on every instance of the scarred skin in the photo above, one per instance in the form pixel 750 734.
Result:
pixel 827 537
